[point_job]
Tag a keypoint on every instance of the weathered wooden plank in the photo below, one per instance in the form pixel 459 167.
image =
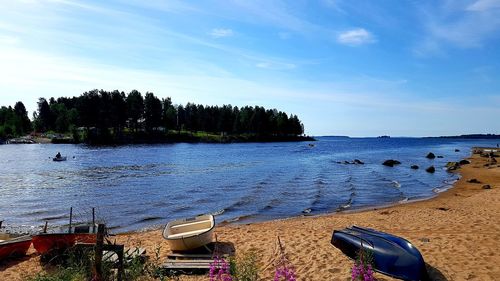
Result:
pixel 186 266
pixel 181 255
pixel 189 261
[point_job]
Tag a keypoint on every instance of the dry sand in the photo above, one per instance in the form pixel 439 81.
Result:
pixel 457 232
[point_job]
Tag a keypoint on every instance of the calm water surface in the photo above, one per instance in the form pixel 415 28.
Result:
pixel 133 187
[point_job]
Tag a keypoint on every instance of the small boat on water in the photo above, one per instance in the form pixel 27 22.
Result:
pixel 392 255
pixel 58 159
pixel 13 245
pixel 189 233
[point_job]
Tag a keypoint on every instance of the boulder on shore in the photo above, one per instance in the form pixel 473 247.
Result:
pixel 464 162
pixel 414 167
pixel 431 169
pixel 473 181
pixel 430 155
pixel 451 166
pixel 391 162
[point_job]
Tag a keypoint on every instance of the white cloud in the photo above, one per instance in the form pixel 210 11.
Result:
pixel 484 5
pixel 221 32
pixel 355 37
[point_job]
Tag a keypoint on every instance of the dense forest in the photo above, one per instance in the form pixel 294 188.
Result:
pixel 14 121
pixel 100 116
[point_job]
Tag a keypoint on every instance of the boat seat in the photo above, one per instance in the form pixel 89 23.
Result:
pixel 190 233
pixel 190 223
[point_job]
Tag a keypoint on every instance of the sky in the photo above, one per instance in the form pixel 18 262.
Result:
pixel 357 68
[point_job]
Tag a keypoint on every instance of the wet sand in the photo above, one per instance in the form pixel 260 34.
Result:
pixel 457 232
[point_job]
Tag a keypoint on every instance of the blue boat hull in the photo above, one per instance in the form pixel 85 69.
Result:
pixel 392 255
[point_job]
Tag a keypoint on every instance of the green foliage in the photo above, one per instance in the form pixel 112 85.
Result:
pixel 245 267
pixel 14 121
pixel 153 268
pixel 135 108
pixel 61 274
pixel 77 266
pixel 108 116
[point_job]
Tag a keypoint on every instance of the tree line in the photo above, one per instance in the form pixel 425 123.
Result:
pixel 14 121
pixel 114 113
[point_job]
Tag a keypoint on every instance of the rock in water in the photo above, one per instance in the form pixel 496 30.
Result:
pixel 451 166
pixel 391 163
pixel 431 169
pixel 486 186
pixel 414 167
pixel 430 155
pixel 357 161
pixel 457 150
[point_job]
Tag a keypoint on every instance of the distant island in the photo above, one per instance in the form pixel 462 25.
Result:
pixel 473 136
pixel 104 117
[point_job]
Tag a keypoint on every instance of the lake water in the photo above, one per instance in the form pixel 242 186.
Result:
pixel 134 187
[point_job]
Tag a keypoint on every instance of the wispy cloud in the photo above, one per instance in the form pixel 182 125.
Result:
pixel 275 65
pixel 333 4
pixel 484 5
pixel 221 32
pixel 458 25
pixel 5 39
pixel 356 37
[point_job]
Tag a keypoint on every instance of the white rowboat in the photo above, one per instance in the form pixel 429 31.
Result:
pixel 190 233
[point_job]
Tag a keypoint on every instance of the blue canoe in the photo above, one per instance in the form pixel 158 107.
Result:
pixel 392 255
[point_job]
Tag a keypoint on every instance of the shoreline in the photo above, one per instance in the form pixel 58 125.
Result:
pixel 457 231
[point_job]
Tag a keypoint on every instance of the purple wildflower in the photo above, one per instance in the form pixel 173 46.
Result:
pixel 219 270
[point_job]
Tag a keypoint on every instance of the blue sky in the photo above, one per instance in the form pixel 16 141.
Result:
pixel 358 68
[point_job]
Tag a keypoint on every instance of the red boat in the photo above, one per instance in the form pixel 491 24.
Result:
pixel 13 246
pixel 61 240
pixel 45 243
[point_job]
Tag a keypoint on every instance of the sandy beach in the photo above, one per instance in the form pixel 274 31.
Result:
pixel 457 232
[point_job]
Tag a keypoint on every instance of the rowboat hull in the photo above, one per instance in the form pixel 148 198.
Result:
pixel 47 242
pixel 191 242
pixel 59 159
pixel 14 247
pixel 392 255
pixel 191 233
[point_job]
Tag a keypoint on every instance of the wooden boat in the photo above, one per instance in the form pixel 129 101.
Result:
pixel 190 233
pixel 46 243
pixel 392 255
pixel 62 239
pixel 58 159
pixel 13 245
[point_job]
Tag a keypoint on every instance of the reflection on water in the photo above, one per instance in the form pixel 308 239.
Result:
pixel 134 187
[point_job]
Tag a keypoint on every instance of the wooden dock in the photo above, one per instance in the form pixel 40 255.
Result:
pixel 197 260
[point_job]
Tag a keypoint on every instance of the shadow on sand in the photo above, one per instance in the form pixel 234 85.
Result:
pixel 14 261
pixel 435 274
